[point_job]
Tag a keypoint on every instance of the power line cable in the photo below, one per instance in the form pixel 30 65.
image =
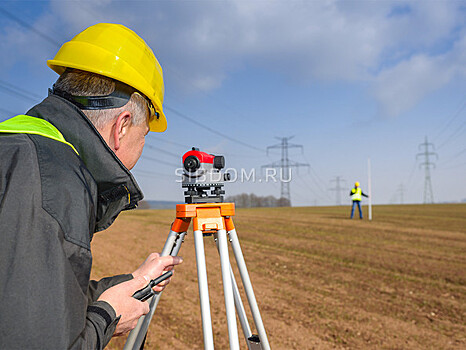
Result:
pixel 58 44
pixel 177 156
pixel 275 184
pixel 18 92
pixel 457 155
pixel 455 115
pixel 456 166
pixel 316 181
pixel 458 131
pixel 8 112
pixel 214 131
pixel 310 188
pixel 186 147
pixel 316 178
pixel 408 182
pixel 51 40
pixel 185 81
pixel 18 20
pixel 26 93
pixel 161 161
pixel 170 142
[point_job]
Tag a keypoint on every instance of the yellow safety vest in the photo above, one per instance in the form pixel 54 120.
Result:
pixel 25 124
pixel 356 194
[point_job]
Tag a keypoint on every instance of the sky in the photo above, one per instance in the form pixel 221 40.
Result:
pixel 349 81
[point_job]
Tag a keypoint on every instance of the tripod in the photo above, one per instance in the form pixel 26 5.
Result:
pixel 211 219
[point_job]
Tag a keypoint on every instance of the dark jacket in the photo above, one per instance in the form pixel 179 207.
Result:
pixel 52 201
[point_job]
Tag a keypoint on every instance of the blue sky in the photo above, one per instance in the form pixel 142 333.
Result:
pixel 350 80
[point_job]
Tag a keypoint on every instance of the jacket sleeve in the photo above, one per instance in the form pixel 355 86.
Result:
pixel 43 302
pixel 100 325
pixel 96 288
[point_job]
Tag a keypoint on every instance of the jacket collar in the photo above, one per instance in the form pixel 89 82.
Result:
pixel 117 188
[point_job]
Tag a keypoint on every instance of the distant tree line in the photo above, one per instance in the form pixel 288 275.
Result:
pixel 245 200
pixel 143 205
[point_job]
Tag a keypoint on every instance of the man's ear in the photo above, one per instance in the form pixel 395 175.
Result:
pixel 120 128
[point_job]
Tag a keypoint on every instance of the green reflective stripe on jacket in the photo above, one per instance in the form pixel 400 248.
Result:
pixel 356 196
pixel 25 124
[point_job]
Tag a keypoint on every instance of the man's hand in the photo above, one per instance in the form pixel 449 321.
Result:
pixel 130 309
pixel 120 297
pixel 155 265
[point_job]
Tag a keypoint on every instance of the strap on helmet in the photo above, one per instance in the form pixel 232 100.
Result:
pixel 118 98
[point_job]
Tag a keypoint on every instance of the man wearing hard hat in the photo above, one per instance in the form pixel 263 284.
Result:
pixel 356 195
pixel 64 175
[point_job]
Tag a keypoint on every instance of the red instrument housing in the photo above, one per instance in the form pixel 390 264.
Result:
pixel 202 156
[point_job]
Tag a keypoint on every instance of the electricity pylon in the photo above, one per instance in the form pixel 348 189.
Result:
pixel 337 188
pixel 401 190
pixel 427 164
pixel 285 165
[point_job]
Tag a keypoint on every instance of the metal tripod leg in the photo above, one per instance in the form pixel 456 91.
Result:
pixel 136 337
pixel 203 290
pixel 208 217
pixel 228 289
pixel 243 320
pixel 239 304
pixel 248 289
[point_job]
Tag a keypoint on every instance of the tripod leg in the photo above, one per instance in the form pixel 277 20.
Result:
pixel 203 291
pixel 248 289
pixel 228 289
pixel 137 335
pixel 243 320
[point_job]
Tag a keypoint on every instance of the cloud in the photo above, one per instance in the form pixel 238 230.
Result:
pixel 201 42
pixel 401 48
pixel 400 87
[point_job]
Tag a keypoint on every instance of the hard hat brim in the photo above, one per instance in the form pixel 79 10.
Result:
pixel 156 124
pixel 115 51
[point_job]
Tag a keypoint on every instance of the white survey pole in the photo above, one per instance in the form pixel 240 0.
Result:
pixel 369 187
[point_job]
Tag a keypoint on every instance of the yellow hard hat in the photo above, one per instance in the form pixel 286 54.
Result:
pixel 356 184
pixel 114 51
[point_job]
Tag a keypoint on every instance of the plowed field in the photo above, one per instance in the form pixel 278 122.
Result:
pixel 322 281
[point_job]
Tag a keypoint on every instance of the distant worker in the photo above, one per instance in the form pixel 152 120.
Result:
pixel 356 194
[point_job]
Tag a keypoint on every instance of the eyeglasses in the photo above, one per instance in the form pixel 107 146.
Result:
pixel 152 112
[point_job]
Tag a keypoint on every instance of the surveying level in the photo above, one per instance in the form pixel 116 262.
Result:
pixel 202 172
pixel 211 218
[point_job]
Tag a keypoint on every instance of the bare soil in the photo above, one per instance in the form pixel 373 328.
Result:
pixel 322 281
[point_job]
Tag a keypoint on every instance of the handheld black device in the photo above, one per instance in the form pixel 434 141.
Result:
pixel 146 292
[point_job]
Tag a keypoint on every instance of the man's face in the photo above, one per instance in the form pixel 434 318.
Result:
pixel 132 144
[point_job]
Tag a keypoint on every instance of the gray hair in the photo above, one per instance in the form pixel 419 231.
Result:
pixel 81 83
